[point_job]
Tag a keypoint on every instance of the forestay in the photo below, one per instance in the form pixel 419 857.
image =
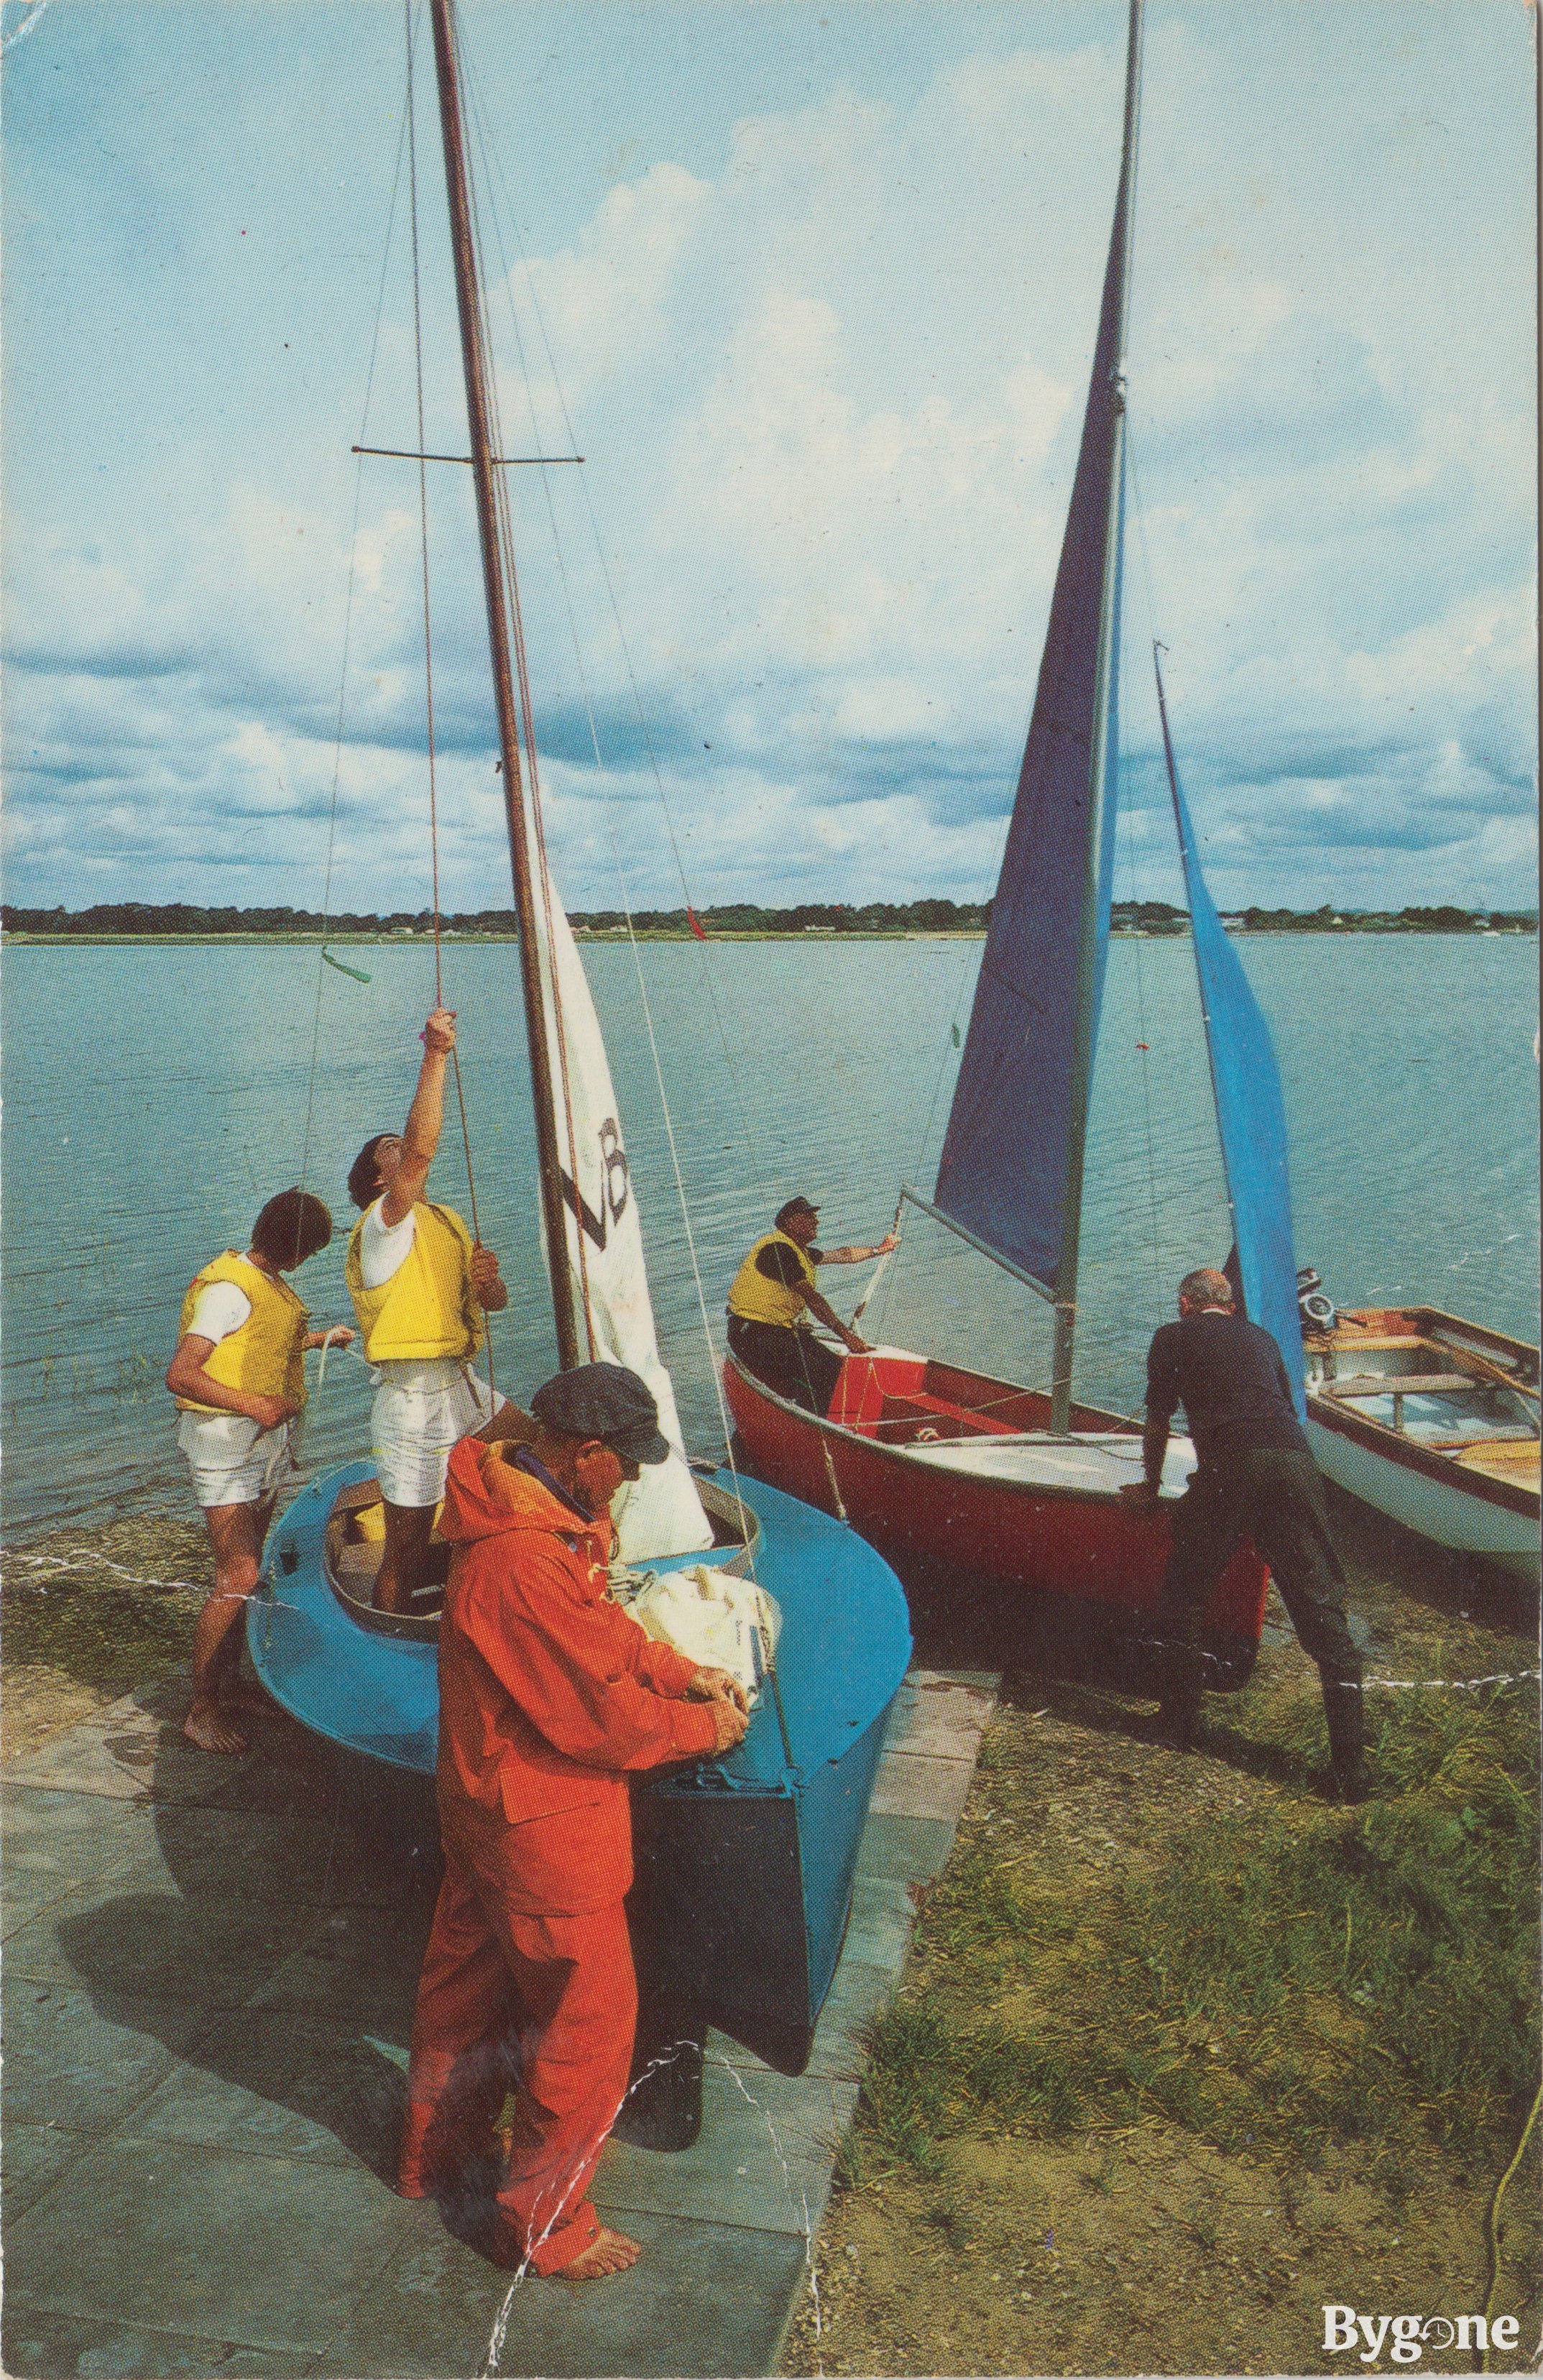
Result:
pixel 1011 1167
pixel 1250 1114
pixel 661 1512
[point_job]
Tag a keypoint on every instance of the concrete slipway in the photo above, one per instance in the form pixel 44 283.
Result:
pixel 208 1978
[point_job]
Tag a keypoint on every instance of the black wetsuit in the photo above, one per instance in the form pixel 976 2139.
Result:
pixel 1256 1479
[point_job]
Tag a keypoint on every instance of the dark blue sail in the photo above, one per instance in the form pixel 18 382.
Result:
pixel 1251 1119
pixel 1010 1169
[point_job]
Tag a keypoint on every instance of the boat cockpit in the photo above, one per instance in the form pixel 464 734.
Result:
pixel 354 1542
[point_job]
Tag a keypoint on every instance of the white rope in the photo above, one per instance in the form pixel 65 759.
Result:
pixel 1458 1685
pixel 83 1556
pixel 863 1301
pixel 25 26
pixel 346 1347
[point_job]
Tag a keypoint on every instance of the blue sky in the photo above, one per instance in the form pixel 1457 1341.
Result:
pixel 814 290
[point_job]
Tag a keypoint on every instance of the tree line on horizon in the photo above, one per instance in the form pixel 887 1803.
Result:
pixel 181 917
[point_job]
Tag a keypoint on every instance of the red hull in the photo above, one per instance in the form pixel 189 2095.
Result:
pixel 1066 1543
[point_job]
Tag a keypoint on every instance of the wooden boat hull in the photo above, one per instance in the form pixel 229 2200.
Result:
pixel 745 1865
pixel 1421 1455
pixel 1079 1545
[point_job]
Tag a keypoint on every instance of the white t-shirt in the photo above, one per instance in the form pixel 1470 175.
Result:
pixel 217 1311
pixel 383 1248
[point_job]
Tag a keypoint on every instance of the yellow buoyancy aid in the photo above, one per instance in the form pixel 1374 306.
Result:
pixel 755 1299
pixel 264 1356
pixel 425 1308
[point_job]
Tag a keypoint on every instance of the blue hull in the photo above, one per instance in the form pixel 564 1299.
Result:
pixel 745 1865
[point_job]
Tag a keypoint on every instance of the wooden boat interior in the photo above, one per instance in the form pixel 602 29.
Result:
pixel 354 1541
pixel 902 1400
pixel 1450 1387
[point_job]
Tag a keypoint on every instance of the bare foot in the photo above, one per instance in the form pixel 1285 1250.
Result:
pixel 207 1726
pixel 613 2252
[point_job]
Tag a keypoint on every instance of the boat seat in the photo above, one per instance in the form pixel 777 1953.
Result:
pixel 903 1420
pixel 1402 1384
pixel 361 1559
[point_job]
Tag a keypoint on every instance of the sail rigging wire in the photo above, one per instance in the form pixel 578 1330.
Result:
pixel 476 118
pixel 528 728
pixel 951 1043
pixel 706 959
pixel 411 25
pixel 1143 1051
pixel 624 891
pixel 475 115
pixel 348 636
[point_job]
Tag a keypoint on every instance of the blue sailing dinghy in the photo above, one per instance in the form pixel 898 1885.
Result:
pixel 744 1863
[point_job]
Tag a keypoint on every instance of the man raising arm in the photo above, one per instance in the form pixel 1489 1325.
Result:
pixel 420 1287
pixel 773 1295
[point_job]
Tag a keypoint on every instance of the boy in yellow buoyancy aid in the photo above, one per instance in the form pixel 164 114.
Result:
pixel 238 1378
pixel 419 1287
pixel 773 1295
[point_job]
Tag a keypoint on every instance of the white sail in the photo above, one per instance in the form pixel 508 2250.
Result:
pixel 661 1512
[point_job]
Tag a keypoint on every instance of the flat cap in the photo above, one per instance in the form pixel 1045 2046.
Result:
pixel 605 1402
pixel 799 1206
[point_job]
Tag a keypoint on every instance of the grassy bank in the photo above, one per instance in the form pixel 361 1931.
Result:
pixel 89 1612
pixel 1184 2053
pixel 1274 1974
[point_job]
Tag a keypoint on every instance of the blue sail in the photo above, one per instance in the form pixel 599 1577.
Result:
pixel 1251 1119
pixel 1011 1169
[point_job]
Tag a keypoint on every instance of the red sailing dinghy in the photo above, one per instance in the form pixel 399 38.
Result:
pixel 938 1465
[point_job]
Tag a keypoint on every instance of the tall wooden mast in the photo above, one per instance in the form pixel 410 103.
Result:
pixel 468 297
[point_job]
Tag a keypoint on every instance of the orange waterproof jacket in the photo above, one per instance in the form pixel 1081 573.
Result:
pixel 549 1693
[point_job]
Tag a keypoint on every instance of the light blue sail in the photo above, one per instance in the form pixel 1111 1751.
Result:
pixel 1250 1114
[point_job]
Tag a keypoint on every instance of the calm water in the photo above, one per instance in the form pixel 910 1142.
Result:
pixel 156 1097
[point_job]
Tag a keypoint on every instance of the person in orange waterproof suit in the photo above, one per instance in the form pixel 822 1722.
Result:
pixel 549 1695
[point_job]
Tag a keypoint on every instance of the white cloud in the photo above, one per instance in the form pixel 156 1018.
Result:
pixel 827 368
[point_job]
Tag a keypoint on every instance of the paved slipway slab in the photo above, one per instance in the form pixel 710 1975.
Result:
pixel 207 1980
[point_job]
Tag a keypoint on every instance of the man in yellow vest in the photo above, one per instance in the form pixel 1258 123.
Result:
pixel 773 1295
pixel 419 1289
pixel 238 1378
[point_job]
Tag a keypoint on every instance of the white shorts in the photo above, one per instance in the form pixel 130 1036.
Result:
pixel 233 1461
pixel 419 1411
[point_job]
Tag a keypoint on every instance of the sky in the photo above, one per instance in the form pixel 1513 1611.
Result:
pixel 813 290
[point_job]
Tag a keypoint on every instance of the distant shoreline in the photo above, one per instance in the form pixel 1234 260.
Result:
pixel 406 939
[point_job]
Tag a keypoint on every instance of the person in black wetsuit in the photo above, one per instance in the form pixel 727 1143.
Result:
pixel 1255 1478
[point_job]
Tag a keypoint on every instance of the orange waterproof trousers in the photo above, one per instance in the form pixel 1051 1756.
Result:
pixel 545 2005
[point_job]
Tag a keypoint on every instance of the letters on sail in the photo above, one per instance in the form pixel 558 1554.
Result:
pixel 661 1513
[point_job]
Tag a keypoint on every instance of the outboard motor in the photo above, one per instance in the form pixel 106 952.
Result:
pixel 1314 1305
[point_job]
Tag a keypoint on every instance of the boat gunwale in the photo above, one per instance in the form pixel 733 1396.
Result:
pixel 1395 1325
pixel 1477 1339
pixel 424 1627
pixel 918 1458
pixel 1394 1446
